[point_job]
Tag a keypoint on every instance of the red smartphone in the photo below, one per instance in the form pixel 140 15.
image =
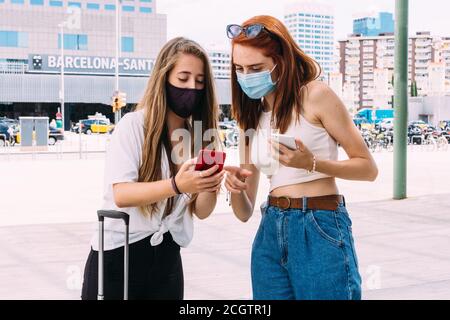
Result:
pixel 209 158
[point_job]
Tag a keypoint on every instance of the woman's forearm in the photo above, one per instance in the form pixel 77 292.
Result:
pixel 242 206
pixel 205 204
pixel 356 169
pixel 140 194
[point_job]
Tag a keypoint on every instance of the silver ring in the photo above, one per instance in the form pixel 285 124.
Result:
pixel 201 174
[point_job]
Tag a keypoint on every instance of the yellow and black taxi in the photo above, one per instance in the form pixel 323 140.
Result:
pixel 90 126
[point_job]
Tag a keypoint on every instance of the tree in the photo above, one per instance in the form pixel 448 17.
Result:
pixel 414 91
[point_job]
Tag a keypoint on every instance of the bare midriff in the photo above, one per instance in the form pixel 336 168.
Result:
pixel 317 188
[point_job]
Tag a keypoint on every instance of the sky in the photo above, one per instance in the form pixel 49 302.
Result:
pixel 205 20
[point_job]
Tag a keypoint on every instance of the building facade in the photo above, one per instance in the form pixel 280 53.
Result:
pixel 371 25
pixel 30 54
pixel 368 64
pixel 311 24
pixel 442 47
pixel 220 62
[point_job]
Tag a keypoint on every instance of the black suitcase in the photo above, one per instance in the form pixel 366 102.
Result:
pixel 102 214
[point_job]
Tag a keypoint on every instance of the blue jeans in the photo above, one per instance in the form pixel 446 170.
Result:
pixel 305 255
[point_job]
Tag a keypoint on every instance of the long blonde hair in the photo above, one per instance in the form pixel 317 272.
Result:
pixel 154 102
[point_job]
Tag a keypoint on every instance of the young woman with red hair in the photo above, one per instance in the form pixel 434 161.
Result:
pixel 304 247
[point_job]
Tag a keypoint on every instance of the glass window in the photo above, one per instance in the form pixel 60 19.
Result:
pixel 146 0
pixel 93 6
pixel 145 10
pixel 4 38
pixel 74 41
pixel 55 3
pixel 127 44
pixel 37 2
pixel 110 7
pixel 18 1
pixel 22 40
pixel 74 4
pixel 13 39
pixel 128 8
pixel 82 42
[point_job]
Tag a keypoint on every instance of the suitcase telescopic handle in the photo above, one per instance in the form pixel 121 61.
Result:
pixel 117 215
pixel 111 214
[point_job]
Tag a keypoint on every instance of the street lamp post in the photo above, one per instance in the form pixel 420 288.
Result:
pixel 401 99
pixel 61 93
pixel 117 114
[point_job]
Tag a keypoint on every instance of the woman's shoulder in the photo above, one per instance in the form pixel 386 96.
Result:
pixel 137 115
pixel 131 126
pixel 318 95
pixel 317 90
pixel 132 119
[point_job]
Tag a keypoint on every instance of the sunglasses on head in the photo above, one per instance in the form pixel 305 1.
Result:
pixel 250 31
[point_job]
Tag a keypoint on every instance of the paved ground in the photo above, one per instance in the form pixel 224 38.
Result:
pixel 48 209
pixel 402 247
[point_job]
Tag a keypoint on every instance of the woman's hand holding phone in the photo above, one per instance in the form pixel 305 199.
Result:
pixel 189 180
pixel 300 158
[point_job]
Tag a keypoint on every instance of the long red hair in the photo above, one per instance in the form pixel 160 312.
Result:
pixel 295 70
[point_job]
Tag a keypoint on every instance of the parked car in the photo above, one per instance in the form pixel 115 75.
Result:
pixel 444 125
pixel 4 134
pixel 9 122
pixel 5 119
pixel 90 126
pixel 419 123
pixel 54 136
pixel 386 124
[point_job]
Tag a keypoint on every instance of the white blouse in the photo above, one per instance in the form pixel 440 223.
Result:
pixel 123 159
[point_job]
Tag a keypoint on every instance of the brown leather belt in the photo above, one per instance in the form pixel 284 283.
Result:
pixel 330 202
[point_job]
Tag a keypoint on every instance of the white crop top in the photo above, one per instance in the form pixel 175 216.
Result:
pixel 316 139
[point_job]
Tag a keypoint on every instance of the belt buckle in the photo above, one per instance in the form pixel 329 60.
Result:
pixel 288 203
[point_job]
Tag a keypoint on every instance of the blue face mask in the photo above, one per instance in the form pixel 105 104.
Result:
pixel 256 85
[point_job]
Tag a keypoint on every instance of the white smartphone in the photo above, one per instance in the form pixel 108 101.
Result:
pixel 288 141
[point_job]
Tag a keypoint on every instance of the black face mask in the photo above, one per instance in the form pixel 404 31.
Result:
pixel 183 101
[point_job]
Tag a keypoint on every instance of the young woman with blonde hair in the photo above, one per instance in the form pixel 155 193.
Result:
pixel 146 177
